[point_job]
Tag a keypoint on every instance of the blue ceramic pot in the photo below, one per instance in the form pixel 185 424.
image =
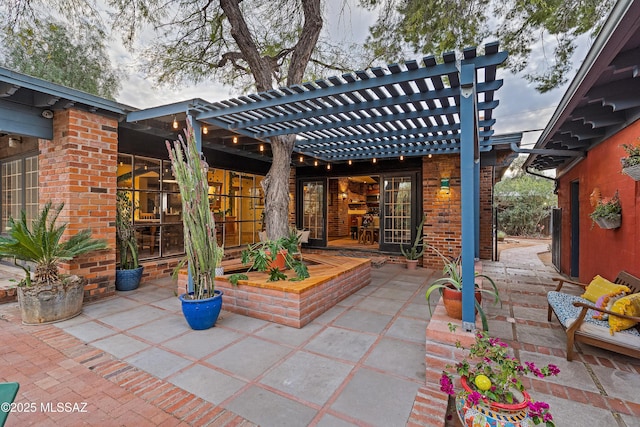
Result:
pixel 128 280
pixel 201 313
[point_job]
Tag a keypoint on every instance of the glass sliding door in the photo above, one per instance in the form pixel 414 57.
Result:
pixel 399 210
pixel 312 208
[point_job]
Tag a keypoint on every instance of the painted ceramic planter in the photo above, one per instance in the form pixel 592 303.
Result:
pixel 493 414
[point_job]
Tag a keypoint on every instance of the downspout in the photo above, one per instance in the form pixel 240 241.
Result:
pixel 579 154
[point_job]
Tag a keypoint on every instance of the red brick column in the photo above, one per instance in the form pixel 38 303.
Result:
pixel 443 226
pixel 486 213
pixel 78 168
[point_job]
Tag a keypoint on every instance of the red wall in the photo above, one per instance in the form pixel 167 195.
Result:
pixel 603 252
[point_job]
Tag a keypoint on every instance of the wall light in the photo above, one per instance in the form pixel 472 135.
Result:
pixel 343 196
pixel 175 123
pixel 444 185
pixel 14 141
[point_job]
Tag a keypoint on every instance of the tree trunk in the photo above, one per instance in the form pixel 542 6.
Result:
pixel 276 187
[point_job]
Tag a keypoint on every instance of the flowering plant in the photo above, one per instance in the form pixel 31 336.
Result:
pixel 633 155
pixel 607 208
pixel 493 375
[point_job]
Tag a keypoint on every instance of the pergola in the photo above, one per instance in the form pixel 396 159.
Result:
pixel 400 110
pixel 412 110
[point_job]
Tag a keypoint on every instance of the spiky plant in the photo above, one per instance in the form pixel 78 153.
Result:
pixel 125 234
pixel 417 250
pixel 41 244
pixel 190 171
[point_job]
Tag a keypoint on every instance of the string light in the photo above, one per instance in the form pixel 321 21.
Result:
pixel 430 155
pixel 261 148
pixel 175 123
pixel 315 163
pixel 235 139
pixel 328 166
pixel 401 157
pixel 350 162
pixel 374 160
pixel 205 130
pixel 301 159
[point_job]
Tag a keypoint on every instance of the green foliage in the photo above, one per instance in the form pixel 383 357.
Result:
pixel 73 56
pixel 522 202
pixel 260 256
pixel 607 209
pixel 452 269
pixel 433 27
pixel 41 244
pixel 125 234
pixel 202 254
pixel 633 155
pixel 417 250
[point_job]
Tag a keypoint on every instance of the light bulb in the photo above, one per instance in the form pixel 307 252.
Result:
pixel 175 123
pixel 205 130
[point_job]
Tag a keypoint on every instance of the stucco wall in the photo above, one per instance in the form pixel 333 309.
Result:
pixel 603 252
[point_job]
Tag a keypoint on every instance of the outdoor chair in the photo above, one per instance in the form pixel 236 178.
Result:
pixel 576 316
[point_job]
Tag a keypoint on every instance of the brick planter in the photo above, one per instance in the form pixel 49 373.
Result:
pixel 294 303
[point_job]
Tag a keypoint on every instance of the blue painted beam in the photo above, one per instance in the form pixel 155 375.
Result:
pixel 476 200
pixel 468 151
pixel 18 119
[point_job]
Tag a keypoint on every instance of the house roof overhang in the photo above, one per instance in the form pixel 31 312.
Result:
pixel 386 112
pixel 27 104
pixel 602 98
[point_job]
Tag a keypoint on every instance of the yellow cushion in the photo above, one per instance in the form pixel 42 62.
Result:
pixel 600 286
pixel 629 305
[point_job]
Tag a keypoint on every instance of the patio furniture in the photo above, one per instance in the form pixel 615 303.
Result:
pixel 8 392
pixel 576 317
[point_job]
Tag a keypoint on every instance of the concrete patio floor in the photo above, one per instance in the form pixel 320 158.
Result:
pixel 134 361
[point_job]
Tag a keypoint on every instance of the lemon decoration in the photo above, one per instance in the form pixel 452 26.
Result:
pixel 482 382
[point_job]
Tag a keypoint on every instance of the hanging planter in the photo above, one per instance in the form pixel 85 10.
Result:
pixel 633 172
pixel 608 213
pixel 631 163
pixel 609 223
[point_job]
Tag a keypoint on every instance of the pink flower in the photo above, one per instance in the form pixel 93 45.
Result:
pixel 474 398
pixel 446 385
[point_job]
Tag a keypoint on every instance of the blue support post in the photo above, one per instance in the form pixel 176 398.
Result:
pixel 476 199
pixel 468 150
pixel 197 132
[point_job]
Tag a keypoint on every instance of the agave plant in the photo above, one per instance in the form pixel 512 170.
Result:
pixel 453 271
pixel 41 244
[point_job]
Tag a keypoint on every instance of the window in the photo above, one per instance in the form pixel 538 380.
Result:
pixel 19 183
pixel 235 198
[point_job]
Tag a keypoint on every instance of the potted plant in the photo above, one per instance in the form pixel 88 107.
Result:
pixel 631 163
pixel 417 250
pixel 492 389
pixel 450 288
pixel 49 296
pixel 200 305
pixel 129 273
pixel 501 235
pixel 608 212
pixel 274 257
pixel 219 256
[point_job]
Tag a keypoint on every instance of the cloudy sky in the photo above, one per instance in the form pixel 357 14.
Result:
pixel 521 107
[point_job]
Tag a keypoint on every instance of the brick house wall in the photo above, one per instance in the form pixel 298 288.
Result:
pixel 443 226
pixel 78 168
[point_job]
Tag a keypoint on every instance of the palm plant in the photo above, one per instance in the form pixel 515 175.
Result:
pixel 453 271
pixel 41 244
pixel 190 170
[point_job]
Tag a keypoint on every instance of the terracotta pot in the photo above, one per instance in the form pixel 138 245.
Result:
pixel 280 261
pixel 452 299
pixel 412 264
